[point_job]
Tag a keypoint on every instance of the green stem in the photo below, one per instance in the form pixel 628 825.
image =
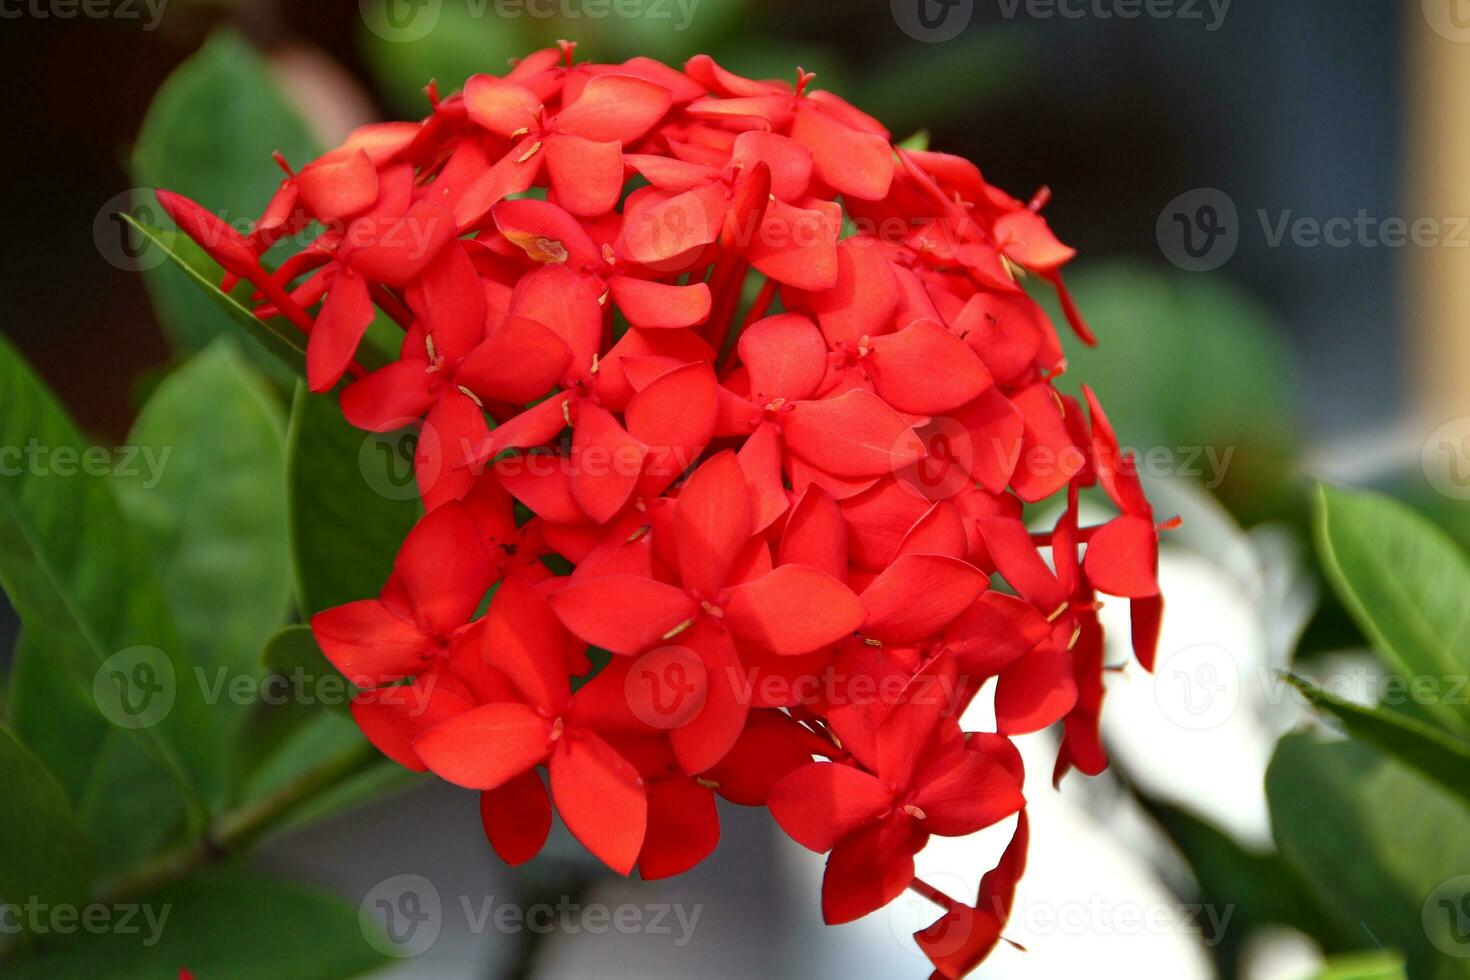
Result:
pixel 242 828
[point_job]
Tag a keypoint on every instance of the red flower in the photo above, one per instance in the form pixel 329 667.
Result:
pixel 776 511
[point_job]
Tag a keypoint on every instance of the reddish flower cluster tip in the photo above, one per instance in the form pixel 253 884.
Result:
pixel 734 409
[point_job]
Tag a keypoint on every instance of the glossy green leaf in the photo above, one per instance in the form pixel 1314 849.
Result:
pixel 209 135
pixel 1442 757
pixel 222 925
pixel 1405 583
pixel 213 512
pixel 1375 965
pixel 125 799
pixel 1377 843
pixel 43 855
pixel 284 343
pixel 351 500
pixel 80 580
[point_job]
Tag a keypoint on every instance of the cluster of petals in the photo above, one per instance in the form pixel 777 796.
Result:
pixel 684 539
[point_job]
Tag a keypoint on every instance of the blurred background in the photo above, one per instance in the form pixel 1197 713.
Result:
pixel 1272 202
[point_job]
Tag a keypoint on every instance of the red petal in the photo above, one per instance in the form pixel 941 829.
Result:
pixel 760 461
pixel 711 523
pixel 601 799
pixel 1035 692
pixel 853 435
pixel 786 357
pixel 663 233
pixel 656 305
pixel 524 640
pixel 445 568
pixel 338 185
pixel 790 162
pixel 517 817
pixel 707 737
pixel 993 634
pixel 1025 238
pixel 771 746
pixel 502 107
pixel 918 595
pixel 370 645
pixel 862 301
pixel 389 398
pixel 486 746
pixel 1147 614
pixel 615 107
pixel 816 534
pixel 869 870
pixel 857 164
pixel 793 610
pixel 452 303
pixel 675 417
pixel 1049 458
pixel 797 246
pixel 994 428
pixel 965 791
pixel 622 613
pixel 606 462
pixel 343 319
pixel 821 803
pixel 393 717
pixel 1123 558
pixel 586 176
pixel 905 375
pixel 683 828
pixel 519 361
pixel 560 298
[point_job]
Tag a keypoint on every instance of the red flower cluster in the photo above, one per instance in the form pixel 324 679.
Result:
pixel 773 515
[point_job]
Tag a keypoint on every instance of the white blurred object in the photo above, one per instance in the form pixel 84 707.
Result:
pixel 1200 730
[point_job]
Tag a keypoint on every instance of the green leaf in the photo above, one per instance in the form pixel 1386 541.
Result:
pixel 80 581
pixel 43 855
pixel 126 801
pixel 225 925
pixel 1376 841
pixel 208 135
pixel 1375 965
pixel 212 506
pixel 1260 887
pixel 1440 756
pixel 284 343
pixel 351 502
pixel 1405 584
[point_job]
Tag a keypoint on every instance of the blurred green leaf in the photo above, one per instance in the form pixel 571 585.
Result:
pixel 1191 369
pixel 209 135
pixel 293 652
pixel 1405 583
pixel 43 855
pixel 351 501
pixel 223 925
pixel 80 580
pixel 445 42
pixel 1440 756
pixel 955 78
pixel 1375 965
pixel 1374 840
pixel 214 513
pixel 1259 887
pixel 283 342
pixel 125 800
